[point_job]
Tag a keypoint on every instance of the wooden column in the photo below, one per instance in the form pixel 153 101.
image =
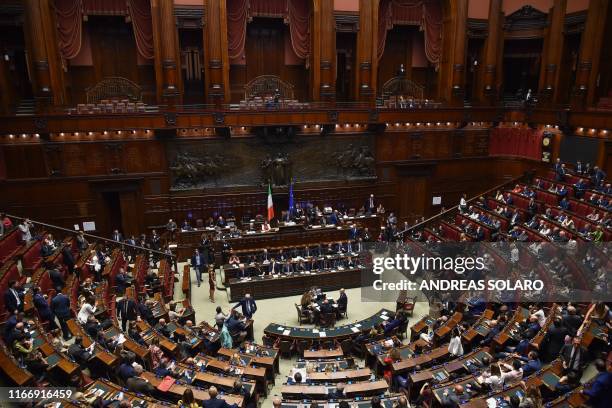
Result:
pixel 590 50
pixel 324 13
pixel 43 53
pixel 458 71
pixel 169 52
pixel 488 91
pixel 216 59
pixel 315 50
pixel 367 50
pixel 6 89
pixel 554 51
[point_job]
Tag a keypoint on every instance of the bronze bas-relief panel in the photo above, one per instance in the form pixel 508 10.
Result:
pixel 251 161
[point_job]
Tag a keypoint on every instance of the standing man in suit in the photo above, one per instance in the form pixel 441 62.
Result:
pixel 117 236
pixel 57 279
pixel 60 306
pixel 579 168
pixel 127 311
pixel 198 263
pixel 171 227
pixel 371 205
pixel 248 305
pixel 122 281
pixel 353 232
pixel 553 340
pixel 43 308
pixel 342 301
pixel 13 300
pixel 573 356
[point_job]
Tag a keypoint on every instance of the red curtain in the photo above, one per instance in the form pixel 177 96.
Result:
pixel 237 18
pixel 520 142
pixel 142 24
pixel 427 14
pixel 268 8
pixel 296 13
pixel 105 7
pixel 69 17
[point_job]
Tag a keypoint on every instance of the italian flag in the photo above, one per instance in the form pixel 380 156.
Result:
pixel 270 204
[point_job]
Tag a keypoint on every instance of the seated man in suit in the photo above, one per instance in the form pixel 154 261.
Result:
pixel 186 226
pixel 163 328
pixel 337 393
pixel 93 326
pixel 566 384
pixel 326 307
pixel 397 321
pixel 126 370
pixel 214 402
pixel 137 384
pixel 240 389
pixel 235 326
pixel 78 353
pixel 532 363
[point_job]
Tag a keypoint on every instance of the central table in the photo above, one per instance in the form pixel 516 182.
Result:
pixel 270 286
pixel 334 333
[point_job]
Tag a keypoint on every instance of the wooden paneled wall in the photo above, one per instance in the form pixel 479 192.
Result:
pixel 265 55
pixel 113 54
pixel 125 184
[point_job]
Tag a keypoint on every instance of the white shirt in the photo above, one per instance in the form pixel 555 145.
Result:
pixel 541 317
pixel 86 311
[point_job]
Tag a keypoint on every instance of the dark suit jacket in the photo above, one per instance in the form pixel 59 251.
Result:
pixel 234 326
pixel 126 371
pixel 140 386
pixel 126 309
pixel 57 278
pixel 553 342
pixel 10 302
pixel 121 281
pixel 327 308
pixel 60 305
pixel 251 304
pixel 203 261
pixel 342 301
pixel 9 326
pixel 79 354
pixel 145 312
pixel 579 357
pixel 44 311
pixel 572 322
pixel 216 403
pixel 599 391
